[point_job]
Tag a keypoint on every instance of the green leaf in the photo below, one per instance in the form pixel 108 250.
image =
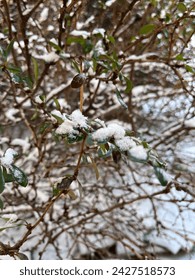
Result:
pixel 179 57
pixel 7 176
pixel 120 99
pixel 159 172
pixel 104 153
pixel 10 47
pixel 182 7
pixel 129 85
pixel 19 176
pixel 35 68
pixel 1 204
pixel 76 66
pixel 189 69
pixel 87 46
pixel 58 107
pixel 2 181
pixel 89 140
pixel 14 69
pixel 146 29
pixel 78 40
pixel 111 39
pixel 43 127
pixel 55 46
pixel 59 119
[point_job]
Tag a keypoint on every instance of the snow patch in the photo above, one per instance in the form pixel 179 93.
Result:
pixel 138 152
pixel 44 14
pixel 99 31
pixel 125 143
pixel 190 123
pixel 78 118
pixel 8 157
pixel 81 33
pixel 49 57
pixel 113 130
pixel 71 122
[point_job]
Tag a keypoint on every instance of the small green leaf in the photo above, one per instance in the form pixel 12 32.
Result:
pixel 87 46
pixel 10 47
pixel 89 140
pixel 78 40
pixel 120 99
pixel 43 127
pixel 76 66
pixel 104 153
pixel 2 181
pixel 189 69
pixel 182 7
pixel 58 107
pixel 146 29
pixel 7 176
pixel 14 69
pixel 129 85
pixel 111 39
pixel 19 176
pixel 35 115
pixel 1 204
pixel 55 46
pixel 160 175
pixel 179 57
pixel 59 119
pixel 35 68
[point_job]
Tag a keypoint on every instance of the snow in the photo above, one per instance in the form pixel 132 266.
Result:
pixel 21 142
pixel 99 48
pixel 8 157
pixel 7 220
pixel 65 128
pixel 38 99
pixel 57 90
pixel 78 118
pixel 71 122
pixel 10 114
pixel 190 123
pixel 112 130
pixel 125 143
pixel 99 31
pixel 81 33
pixel 44 14
pixel 49 57
pixel 102 123
pixel 138 152
pixel 110 2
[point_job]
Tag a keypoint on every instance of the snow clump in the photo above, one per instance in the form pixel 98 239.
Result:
pixel 71 123
pixel 8 158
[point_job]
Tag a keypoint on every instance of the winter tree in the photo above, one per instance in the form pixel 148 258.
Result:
pixel 97 126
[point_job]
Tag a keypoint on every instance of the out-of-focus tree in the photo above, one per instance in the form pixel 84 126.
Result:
pixel 97 110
